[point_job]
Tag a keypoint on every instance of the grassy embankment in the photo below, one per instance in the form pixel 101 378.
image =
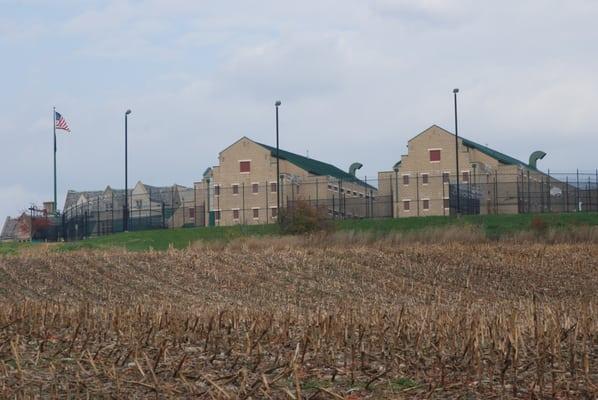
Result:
pixel 488 226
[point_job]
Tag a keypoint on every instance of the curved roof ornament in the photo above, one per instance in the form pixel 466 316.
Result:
pixel 534 157
pixel 354 167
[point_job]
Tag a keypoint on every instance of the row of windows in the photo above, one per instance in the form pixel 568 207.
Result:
pixel 255 188
pixel 425 204
pixel 255 212
pixel 348 192
pixel 445 178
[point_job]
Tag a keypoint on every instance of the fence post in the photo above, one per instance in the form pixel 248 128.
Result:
pixel 577 207
pixel 333 211
pixel 365 196
pixel 541 194
pixel 417 191
pixel 596 184
pixel 548 198
pixel 443 193
pixel 243 202
pixel 566 193
pixel 98 217
pixel 267 206
pixel 317 194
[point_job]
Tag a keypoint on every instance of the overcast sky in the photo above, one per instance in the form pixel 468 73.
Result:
pixel 357 79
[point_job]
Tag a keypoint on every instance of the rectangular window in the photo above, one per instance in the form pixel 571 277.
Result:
pixel 426 204
pixel 406 205
pixel 434 155
pixel 235 213
pixel 273 187
pixel 138 203
pixel 405 179
pixel 245 166
pixel 192 213
pixel 216 190
pixel 465 176
pixel 445 177
pixel 235 189
pixel 256 213
pixel 217 215
pixel 274 212
pixel 255 188
pixel 446 203
pixel 424 179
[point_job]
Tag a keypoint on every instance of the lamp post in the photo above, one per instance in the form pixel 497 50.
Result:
pixel 277 104
pixel 455 91
pixel 126 207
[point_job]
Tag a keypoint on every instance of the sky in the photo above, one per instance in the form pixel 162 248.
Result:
pixel 357 79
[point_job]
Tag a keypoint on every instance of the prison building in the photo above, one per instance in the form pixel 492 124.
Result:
pixel 242 188
pixel 101 212
pixel 424 181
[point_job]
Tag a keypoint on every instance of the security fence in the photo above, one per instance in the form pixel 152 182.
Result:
pixel 394 195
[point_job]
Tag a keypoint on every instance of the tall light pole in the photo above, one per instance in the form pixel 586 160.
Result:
pixel 277 104
pixel 126 207
pixel 455 91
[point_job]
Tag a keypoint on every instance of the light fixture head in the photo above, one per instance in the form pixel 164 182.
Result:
pixel 127 112
pixel 456 90
pixel 278 103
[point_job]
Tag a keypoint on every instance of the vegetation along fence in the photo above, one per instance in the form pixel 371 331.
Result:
pixel 395 195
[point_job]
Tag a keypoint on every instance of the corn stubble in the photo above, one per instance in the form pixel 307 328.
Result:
pixel 271 319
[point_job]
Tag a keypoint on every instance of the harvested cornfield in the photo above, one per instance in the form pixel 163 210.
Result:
pixel 271 319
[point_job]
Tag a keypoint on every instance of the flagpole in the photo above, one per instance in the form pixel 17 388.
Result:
pixel 54 127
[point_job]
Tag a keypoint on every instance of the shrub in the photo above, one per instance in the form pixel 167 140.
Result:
pixel 302 217
pixel 539 226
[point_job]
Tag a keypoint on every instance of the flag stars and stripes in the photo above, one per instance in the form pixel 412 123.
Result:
pixel 61 122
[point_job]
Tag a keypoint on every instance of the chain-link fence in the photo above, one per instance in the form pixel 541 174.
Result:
pixel 393 195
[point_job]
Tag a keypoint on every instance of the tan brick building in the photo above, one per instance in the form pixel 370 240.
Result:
pixel 242 188
pixel 423 182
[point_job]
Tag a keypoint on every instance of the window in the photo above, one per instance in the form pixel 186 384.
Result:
pixel 406 205
pixel 192 213
pixel 216 190
pixel 235 189
pixel 445 177
pixel 235 213
pixel 256 213
pixel 445 203
pixel 405 179
pixel 138 203
pixel 255 188
pixel 424 179
pixel 273 187
pixel 426 204
pixel 465 176
pixel 274 212
pixel 434 155
pixel 217 215
pixel 355 194
pixel 245 166
pixel 108 206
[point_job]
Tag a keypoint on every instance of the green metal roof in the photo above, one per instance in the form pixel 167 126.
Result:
pixel 314 166
pixel 503 158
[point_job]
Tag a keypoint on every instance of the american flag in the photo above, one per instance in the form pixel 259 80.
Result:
pixel 61 122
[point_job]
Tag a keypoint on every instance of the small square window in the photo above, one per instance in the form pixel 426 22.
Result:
pixel 424 179
pixel 235 189
pixel 273 187
pixel 256 213
pixel 405 179
pixel 406 205
pixel 465 176
pixel 245 166
pixel 445 177
pixel 255 188
pixel 426 204
pixel 434 155
pixel 446 203
pixel 236 214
